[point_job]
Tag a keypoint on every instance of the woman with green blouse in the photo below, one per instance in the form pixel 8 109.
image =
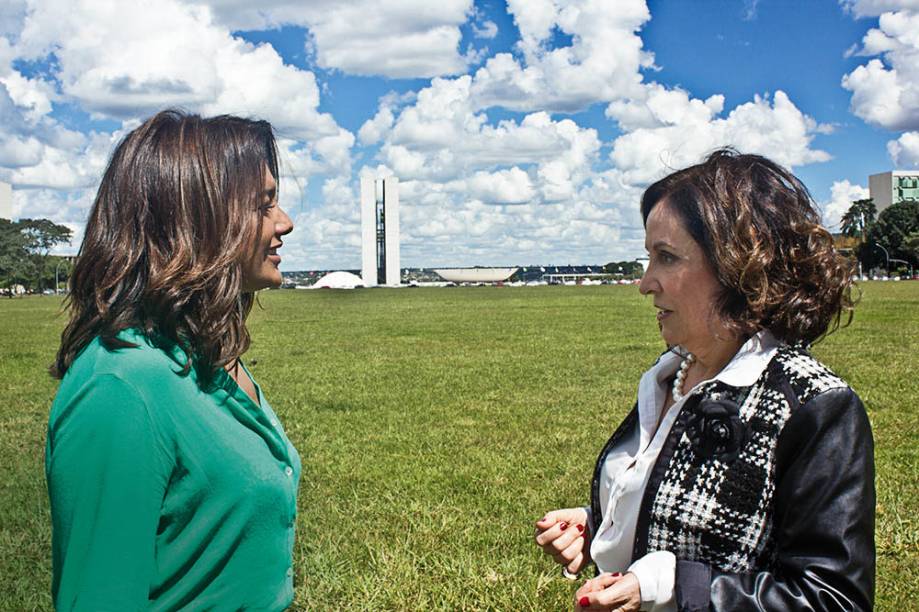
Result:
pixel 172 483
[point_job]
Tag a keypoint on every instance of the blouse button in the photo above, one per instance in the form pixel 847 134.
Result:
pixel 289 470
pixel 290 572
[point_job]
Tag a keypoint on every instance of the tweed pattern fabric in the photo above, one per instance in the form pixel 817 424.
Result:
pixel 721 512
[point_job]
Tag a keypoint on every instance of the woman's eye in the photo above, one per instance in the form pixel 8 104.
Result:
pixel 666 257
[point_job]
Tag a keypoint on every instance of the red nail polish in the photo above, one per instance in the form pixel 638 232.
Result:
pixel 580 527
pixel 584 602
pixel 563 526
pixel 616 574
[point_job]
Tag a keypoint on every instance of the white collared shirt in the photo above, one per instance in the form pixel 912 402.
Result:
pixel 628 466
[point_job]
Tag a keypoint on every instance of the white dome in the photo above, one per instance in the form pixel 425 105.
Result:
pixel 339 280
pixel 475 275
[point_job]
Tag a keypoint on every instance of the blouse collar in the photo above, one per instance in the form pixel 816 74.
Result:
pixel 741 371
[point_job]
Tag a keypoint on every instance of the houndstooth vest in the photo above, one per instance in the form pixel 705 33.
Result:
pixel 714 511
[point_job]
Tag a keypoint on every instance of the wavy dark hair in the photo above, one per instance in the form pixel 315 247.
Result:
pixel 761 232
pixel 174 215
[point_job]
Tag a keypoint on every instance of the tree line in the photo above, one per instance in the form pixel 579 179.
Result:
pixel 25 254
pixel 889 240
pixel 624 269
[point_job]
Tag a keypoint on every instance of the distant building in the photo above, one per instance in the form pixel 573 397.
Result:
pixel 380 231
pixel 339 280
pixel 6 201
pixel 475 275
pixel 889 188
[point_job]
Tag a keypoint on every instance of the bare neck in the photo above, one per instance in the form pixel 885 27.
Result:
pixel 711 359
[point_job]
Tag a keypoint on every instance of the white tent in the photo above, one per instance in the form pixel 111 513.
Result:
pixel 339 280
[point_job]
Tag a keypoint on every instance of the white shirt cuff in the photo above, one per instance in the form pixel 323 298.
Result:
pixel 656 573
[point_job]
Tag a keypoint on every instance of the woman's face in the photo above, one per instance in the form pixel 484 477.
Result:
pixel 681 281
pixel 260 268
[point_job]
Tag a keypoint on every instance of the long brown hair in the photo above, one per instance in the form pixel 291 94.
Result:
pixel 761 232
pixel 175 213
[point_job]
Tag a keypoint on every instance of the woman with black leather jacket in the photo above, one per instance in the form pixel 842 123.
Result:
pixel 743 478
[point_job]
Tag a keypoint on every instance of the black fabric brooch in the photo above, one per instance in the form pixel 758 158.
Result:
pixel 716 430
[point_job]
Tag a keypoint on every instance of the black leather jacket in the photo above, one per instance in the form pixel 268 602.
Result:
pixel 820 553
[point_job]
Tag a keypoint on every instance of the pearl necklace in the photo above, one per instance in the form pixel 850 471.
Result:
pixel 677 391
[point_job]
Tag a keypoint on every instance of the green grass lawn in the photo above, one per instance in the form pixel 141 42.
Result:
pixel 436 425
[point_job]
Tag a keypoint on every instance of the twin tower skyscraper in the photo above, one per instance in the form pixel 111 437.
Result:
pixel 380 232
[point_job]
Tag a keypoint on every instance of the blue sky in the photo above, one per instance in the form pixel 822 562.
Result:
pixel 522 131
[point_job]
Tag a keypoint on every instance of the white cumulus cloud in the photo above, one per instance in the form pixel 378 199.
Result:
pixel 393 38
pixel 510 186
pixel 602 63
pixel 126 60
pixel 842 194
pixel 873 8
pixel 657 106
pixel 885 90
pixel 778 130
pixel 442 137
pixel 129 59
pixel 904 151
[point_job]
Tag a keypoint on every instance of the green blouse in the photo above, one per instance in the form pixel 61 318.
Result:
pixel 165 495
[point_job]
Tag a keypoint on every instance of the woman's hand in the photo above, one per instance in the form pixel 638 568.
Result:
pixel 609 592
pixel 563 535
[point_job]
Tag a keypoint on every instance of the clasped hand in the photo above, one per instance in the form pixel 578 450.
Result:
pixel 564 536
pixel 619 592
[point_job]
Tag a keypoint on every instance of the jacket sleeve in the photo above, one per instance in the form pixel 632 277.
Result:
pixel 824 520
pixel 107 472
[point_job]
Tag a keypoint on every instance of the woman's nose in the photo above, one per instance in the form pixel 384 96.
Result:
pixel 647 284
pixel 283 225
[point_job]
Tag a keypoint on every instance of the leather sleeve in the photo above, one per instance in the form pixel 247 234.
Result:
pixel 824 520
